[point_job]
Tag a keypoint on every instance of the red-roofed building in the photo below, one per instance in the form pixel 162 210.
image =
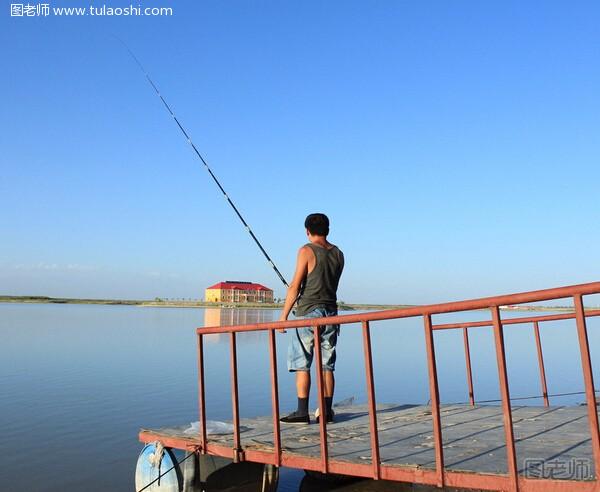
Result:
pixel 237 291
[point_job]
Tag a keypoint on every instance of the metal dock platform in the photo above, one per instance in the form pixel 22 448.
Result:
pixel 485 447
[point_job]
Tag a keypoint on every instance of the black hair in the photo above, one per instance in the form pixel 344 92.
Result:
pixel 317 224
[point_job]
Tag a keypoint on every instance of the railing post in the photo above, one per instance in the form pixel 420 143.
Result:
pixel 321 401
pixel 511 455
pixel 538 344
pixel 468 364
pixel 201 398
pixel 588 378
pixel 275 397
pixel 237 448
pixel 371 400
pixel 435 401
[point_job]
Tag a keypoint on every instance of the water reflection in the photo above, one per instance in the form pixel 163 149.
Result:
pixel 235 316
pixel 66 370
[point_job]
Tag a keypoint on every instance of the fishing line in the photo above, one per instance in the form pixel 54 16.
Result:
pixel 212 175
pixel 522 398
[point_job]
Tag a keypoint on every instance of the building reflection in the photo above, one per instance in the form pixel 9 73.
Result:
pixel 232 317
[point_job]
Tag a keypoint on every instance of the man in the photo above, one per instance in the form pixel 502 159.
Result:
pixel 314 289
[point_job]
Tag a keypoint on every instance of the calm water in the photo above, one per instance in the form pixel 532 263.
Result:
pixel 77 382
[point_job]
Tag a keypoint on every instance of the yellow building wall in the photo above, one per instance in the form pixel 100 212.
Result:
pixel 212 295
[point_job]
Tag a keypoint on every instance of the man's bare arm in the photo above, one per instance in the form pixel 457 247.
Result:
pixel 299 276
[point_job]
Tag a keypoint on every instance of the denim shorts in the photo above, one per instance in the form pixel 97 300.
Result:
pixel 300 350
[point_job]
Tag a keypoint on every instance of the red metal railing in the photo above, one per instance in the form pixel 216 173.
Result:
pixel 535 321
pixel 440 476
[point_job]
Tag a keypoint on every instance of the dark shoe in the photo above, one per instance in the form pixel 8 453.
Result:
pixel 330 416
pixel 295 418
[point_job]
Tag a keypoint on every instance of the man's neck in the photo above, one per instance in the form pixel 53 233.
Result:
pixel 319 241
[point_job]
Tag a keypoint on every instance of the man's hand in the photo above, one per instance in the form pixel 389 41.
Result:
pixel 282 318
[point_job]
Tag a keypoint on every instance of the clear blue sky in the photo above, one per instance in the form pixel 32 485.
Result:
pixel 454 145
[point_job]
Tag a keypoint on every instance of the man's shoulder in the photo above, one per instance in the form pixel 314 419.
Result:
pixel 305 251
pixel 335 246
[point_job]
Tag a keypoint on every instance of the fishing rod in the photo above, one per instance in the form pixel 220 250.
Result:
pixel 212 175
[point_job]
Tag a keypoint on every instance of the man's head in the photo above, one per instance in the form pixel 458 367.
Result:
pixel 317 224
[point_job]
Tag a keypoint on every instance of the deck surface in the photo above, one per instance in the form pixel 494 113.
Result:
pixel 551 442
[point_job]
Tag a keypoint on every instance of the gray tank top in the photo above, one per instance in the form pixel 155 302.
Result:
pixel 319 289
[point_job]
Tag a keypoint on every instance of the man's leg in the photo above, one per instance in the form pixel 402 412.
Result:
pixel 329 386
pixel 328 345
pixel 300 416
pixel 299 361
pixel 329 381
pixel 302 390
pixel 303 383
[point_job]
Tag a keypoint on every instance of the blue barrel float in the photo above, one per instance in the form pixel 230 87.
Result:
pixel 157 470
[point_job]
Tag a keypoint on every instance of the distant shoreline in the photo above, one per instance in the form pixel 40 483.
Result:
pixel 131 302
pixel 164 303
